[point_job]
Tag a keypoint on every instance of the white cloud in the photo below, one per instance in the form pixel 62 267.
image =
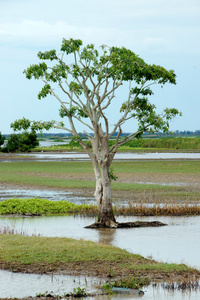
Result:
pixel 165 39
pixel 162 32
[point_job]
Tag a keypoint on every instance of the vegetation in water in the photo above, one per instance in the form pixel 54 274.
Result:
pixel 79 292
pixel 38 206
pixel 127 282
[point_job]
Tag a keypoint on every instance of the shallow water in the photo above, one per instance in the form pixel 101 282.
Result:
pixel 120 156
pixel 62 284
pixel 45 194
pixel 35 284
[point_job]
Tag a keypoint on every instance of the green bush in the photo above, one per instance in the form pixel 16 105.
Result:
pixel 2 139
pixel 22 142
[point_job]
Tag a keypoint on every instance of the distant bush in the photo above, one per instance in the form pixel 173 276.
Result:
pixel 2 139
pixel 167 143
pixel 22 142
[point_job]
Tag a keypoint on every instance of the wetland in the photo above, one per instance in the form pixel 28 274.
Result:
pixel 163 182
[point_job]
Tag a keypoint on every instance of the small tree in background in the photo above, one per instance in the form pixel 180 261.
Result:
pixel 89 80
pixel 2 139
pixel 22 142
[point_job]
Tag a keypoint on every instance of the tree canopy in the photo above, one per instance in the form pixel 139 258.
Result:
pixel 89 80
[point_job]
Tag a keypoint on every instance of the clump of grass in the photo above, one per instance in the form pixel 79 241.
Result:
pixel 159 210
pixel 131 282
pixel 37 206
pixel 7 230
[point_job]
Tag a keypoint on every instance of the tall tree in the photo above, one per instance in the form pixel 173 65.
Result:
pixel 89 80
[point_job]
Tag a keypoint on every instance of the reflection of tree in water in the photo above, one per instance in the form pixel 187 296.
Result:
pixel 106 235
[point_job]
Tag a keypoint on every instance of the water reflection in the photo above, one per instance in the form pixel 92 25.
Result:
pixel 106 236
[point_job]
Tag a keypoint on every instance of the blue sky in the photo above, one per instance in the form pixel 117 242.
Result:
pixel 164 32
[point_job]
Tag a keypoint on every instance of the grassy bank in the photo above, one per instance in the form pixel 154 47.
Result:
pixel 46 207
pixel 69 256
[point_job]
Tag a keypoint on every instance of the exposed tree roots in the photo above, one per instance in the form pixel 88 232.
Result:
pixel 116 225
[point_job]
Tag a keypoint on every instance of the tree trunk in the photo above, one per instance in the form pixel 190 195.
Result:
pixel 103 197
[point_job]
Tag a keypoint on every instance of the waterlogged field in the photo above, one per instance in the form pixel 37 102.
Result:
pixel 173 184
pixel 138 181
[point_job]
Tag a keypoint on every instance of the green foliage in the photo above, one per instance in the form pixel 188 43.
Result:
pixel 74 142
pixel 2 139
pixel 26 141
pixel 132 282
pixel 112 176
pixel 44 91
pixel 22 142
pixel 38 206
pixel 74 110
pixel 21 124
pixel 25 124
pixel 127 282
pixel 98 69
pixel 79 292
pixel 71 46
pixel 165 143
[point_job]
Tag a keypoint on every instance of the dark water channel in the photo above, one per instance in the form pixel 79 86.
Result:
pixel 178 242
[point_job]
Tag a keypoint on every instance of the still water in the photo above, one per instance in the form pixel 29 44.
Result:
pixel 178 242
pixel 120 156
pixel 60 285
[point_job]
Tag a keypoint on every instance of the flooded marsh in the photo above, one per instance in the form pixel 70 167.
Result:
pixel 176 243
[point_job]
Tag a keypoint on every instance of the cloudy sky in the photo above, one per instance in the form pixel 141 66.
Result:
pixel 164 32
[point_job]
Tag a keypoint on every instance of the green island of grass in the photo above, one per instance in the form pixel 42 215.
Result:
pixel 41 255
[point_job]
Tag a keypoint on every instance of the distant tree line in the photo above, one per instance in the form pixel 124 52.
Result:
pixel 146 134
pixel 27 140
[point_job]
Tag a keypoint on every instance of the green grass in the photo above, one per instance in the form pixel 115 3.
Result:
pixel 86 167
pixel 30 179
pixel 167 143
pixel 44 254
pixel 43 207
pixel 47 173
pixel 47 167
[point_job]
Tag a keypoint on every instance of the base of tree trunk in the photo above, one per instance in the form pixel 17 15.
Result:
pixel 116 225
